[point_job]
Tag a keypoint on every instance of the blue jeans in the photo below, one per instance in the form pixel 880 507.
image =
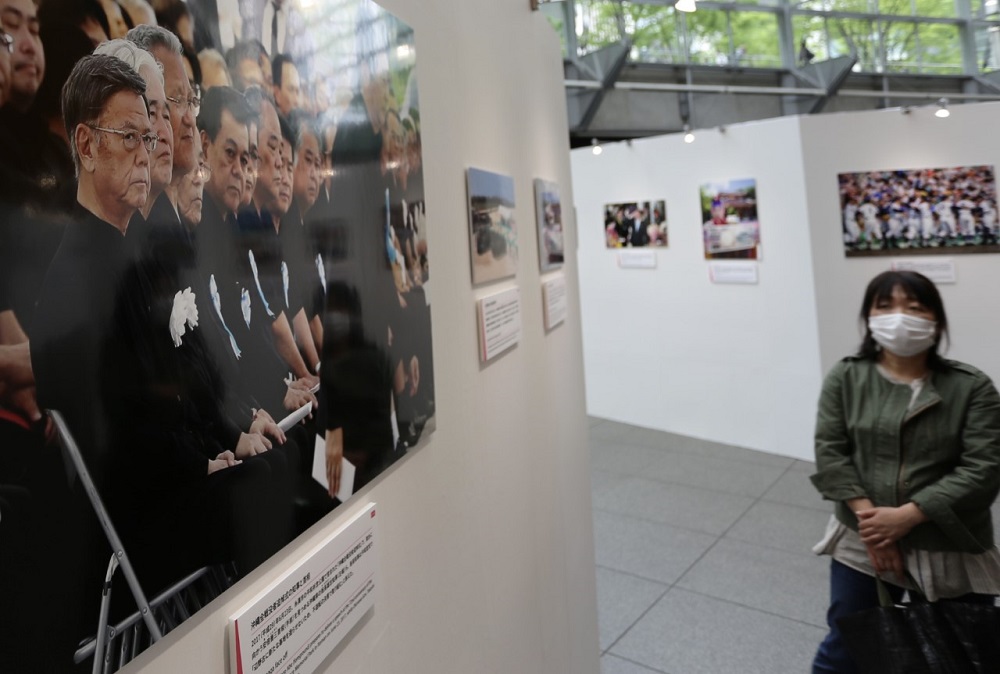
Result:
pixel 852 592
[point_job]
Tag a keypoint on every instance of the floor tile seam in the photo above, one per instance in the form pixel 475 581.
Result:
pixel 622 444
pixel 824 509
pixel 806 552
pixel 756 501
pixel 728 529
pixel 633 574
pixel 748 607
pixel 671 438
pixel 697 452
pixel 635 662
pixel 714 490
pixel 680 439
pixel 658 522
pixel 674 483
pixel 641 616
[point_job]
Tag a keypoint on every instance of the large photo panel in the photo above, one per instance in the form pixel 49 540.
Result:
pixel 214 298
pixel 919 211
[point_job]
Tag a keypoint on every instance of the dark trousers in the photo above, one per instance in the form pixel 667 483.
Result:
pixel 852 592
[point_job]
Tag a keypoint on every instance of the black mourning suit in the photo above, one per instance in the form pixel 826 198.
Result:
pixel 146 413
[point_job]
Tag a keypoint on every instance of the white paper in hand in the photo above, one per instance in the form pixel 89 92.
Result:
pixel 319 471
pixel 295 417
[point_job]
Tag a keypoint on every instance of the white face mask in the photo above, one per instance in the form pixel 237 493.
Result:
pixel 902 334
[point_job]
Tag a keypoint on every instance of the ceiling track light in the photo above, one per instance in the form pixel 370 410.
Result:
pixel 942 112
pixel 596 147
pixel 685 6
pixel 688 134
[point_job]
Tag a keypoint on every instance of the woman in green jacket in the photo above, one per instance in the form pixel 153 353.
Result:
pixel 908 448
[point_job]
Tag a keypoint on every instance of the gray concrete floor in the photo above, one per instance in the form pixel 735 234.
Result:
pixel 703 556
pixel 704 561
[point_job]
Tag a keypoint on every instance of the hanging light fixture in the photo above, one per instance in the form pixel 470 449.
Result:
pixel 942 111
pixel 685 6
pixel 688 134
pixel 596 147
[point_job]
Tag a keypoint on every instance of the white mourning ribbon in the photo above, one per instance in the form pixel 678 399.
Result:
pixel 284 282
pixel 183 315
pixel 245 305
pixel 256 279
pixel 213 290
pixel 321 268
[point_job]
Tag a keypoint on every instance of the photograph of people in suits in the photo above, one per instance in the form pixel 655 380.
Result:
pixel 204 230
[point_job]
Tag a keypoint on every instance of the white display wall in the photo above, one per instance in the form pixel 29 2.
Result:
pixel 833 144
pixel 668 349
pixel 486 544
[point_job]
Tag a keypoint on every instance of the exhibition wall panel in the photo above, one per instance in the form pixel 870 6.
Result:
pixel 890 140
pixel 666 348
pixel 486 546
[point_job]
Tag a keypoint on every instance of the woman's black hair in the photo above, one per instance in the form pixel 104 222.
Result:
pixel 917 287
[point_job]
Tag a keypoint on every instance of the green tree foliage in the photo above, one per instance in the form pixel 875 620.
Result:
pixel 886 35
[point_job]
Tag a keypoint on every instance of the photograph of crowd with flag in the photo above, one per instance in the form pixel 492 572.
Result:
pixel 920 211
pixel 215 321
pixel 730 227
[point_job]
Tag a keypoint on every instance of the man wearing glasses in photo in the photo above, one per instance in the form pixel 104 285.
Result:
pixel 183 102
pixel 161 159
pixel 142 407
pixel 111 140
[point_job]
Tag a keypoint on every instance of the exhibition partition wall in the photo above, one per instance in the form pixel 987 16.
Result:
pixel 485 557
pixel 891 140
pixel 680 349
pixel 667 348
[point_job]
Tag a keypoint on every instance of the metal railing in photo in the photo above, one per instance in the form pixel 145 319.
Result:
pixel 113 646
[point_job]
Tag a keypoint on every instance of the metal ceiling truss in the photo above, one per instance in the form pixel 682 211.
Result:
pixel 611 95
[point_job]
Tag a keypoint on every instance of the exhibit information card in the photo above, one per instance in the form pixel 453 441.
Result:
pixel 301 617
pixel 637 259
pixel 732 271
pixel 939 270
pixel 499 323
pixel 554 301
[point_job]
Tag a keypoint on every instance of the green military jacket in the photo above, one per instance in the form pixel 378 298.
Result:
pixel 943 453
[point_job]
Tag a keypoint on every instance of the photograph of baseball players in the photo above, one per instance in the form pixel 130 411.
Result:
pixel 919 211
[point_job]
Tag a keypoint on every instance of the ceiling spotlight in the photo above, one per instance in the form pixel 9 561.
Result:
pixel 596 147
pixel 685 6
pixel 688 134
pixel 942 110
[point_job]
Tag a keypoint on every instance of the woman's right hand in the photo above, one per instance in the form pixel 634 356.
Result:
pixel 886 559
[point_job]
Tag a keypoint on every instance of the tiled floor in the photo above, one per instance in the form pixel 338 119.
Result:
pixel 703 556
pixel 704 562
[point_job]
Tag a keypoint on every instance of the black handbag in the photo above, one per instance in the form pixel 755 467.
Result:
pixel 922 637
